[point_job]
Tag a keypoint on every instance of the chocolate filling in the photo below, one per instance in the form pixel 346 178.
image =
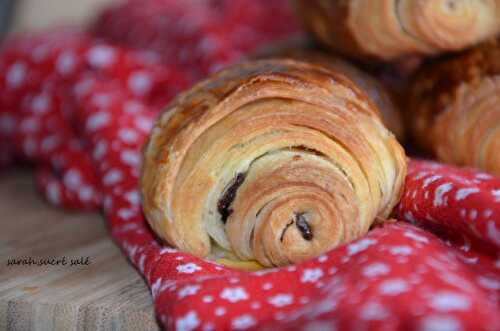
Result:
pixel 227 198
pixel 302 148
pixel 303 226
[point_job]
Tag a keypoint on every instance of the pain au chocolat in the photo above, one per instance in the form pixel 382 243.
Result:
pixel 274 161
pixel 390 29
pixel 454 108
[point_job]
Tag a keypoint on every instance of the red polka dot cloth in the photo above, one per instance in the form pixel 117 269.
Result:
pixel 80 108
pixel 206 34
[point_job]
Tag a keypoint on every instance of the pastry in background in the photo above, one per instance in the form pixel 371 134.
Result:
pixel 274 161
pixel 389 29
pixel 454 108
pixel 377 92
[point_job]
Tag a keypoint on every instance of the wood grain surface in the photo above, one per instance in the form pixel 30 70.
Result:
pixel 106 294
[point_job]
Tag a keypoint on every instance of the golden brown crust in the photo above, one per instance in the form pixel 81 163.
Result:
pixel 390 29
pixel 377 92
pixel 293 155
pixel 454 110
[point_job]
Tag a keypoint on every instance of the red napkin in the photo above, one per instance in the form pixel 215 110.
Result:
pixel 81 108
pixel 200 36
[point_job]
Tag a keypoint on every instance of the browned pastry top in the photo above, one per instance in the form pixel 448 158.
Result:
pixel 191 105
pixel 373 88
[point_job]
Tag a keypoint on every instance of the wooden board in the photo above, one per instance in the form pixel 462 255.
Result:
pixel 42 14
pixel 107 294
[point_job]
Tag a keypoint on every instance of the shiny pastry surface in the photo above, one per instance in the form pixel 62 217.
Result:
pixel 374 89
pixel 274 161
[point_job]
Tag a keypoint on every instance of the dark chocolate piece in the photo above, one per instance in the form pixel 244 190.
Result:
pixel 227 198
pixel 303 226
pixel 302 148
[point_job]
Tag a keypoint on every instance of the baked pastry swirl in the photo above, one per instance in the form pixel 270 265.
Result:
pixel 454 108
pixel 275 161
pixel 389 29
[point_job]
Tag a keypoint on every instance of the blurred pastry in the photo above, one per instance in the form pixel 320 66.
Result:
pixel 454 108
pixel 389 29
